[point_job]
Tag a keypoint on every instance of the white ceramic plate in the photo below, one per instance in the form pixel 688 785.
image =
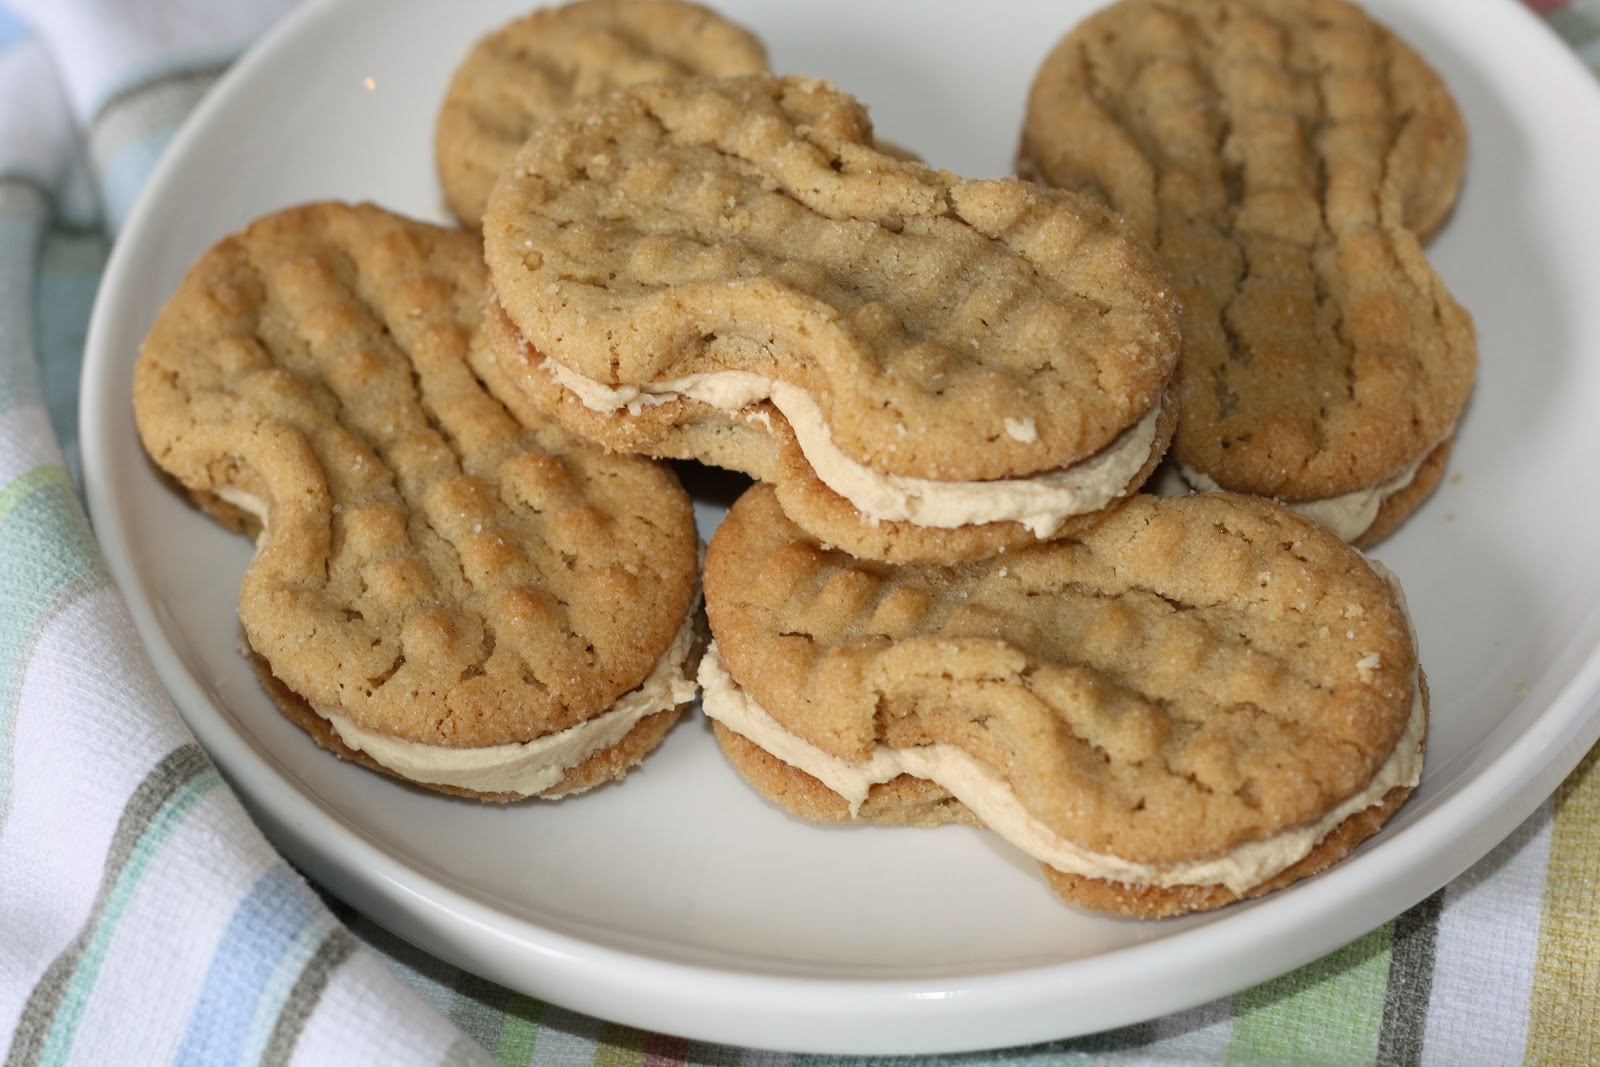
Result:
pixel 679 901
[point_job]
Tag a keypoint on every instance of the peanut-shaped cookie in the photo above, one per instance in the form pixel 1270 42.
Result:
pixel 435 587
pixel 1285 159
pixel 1195 700
pixel 730 270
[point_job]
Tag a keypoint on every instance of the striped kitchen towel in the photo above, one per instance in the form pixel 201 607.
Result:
pixel 144 920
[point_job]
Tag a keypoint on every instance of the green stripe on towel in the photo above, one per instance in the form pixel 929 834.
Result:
pixel 49 1018
pixel 1326 1011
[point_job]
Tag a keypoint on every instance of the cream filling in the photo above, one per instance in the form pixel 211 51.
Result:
pixel 246 502
pixel 1349 515
pixel 1041 502
pixel 527 767
pixel 522 767
pixel 993 801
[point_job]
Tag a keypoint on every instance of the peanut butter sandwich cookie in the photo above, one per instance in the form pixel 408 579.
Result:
pixel 1285 158
pixel 530 69
pixel 483 607
pixel 1193 701
pixel 927 368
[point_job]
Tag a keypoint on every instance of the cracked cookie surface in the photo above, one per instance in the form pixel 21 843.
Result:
pixel 532 68
pixel 428 569
pixel 1285 160
pixel 747 229
pixel 1188 679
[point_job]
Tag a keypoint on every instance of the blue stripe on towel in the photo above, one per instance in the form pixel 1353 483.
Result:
pixel 12 29
pixel 270 925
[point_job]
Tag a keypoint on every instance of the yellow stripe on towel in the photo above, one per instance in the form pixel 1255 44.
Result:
pixel 1562 1027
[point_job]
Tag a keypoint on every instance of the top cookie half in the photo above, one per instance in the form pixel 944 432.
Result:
pixel 1285 158
pixel 426 567
pixel 532 68
pixel 943 329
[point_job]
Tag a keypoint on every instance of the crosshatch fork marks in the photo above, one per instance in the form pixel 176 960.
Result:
pixel 1286 160
pixel 414 570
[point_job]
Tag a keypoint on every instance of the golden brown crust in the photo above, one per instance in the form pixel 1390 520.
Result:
pixel 1283 159
pixel 1188 674
pixel 1278 109
pixel 750 224
pixel 531 69
pixel 434 569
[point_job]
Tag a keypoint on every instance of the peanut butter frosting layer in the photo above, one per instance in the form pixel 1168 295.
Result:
pixel 1285 160
pixel 428 568
pixel 925 521
pixel 1186 678
pixel 946 329
pixel 905 785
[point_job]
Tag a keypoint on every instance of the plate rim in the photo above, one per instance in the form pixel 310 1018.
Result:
pixel 867 1015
